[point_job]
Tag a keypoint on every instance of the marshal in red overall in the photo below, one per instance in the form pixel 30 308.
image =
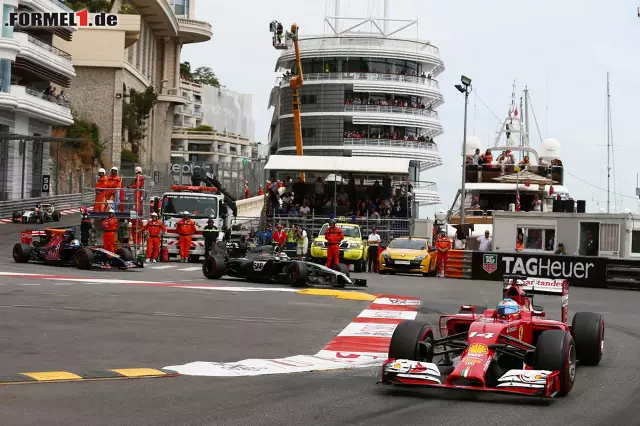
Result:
pixel 511 349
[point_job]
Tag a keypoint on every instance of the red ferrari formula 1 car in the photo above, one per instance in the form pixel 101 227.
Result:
pixel 511 349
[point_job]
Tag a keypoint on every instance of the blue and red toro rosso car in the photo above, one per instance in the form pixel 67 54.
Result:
pixel 60 247
pixel 511 349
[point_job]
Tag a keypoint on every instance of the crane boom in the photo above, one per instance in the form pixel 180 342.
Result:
pixel 295 82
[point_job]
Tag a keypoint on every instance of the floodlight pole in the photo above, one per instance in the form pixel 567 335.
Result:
pixel 463 194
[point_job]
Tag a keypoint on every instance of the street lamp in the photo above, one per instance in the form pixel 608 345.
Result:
pixel 465 88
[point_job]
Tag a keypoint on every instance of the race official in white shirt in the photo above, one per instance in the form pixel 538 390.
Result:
pixel 485 242
pixel 373 242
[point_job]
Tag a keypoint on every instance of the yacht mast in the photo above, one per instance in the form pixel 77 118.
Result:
pixel 608 145
pixel 526 116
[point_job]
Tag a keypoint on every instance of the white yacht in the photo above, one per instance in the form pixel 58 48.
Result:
pixel 510 175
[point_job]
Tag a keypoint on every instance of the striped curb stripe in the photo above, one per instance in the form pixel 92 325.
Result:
pixel 66 376
pixel 363 343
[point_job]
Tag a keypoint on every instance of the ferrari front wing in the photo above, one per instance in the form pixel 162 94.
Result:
pixel 538 383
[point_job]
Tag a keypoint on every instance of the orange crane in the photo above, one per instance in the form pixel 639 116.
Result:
pixel 295 81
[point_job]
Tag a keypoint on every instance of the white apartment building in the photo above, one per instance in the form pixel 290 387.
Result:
pixel 29 65
pixel 142 51
pixel 227 112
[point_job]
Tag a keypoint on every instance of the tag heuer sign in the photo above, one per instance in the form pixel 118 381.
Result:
pixel 490 263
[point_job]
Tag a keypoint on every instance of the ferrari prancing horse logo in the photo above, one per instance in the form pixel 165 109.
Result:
pixel 520 332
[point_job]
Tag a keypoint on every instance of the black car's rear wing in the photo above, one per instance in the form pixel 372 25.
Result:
pixel 535 285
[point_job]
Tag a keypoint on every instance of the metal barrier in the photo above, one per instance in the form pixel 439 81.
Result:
pixel 60 202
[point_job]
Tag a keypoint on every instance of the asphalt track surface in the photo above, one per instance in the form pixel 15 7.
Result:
pixel 56 325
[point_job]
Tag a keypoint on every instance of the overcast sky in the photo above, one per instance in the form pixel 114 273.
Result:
pixel 560 49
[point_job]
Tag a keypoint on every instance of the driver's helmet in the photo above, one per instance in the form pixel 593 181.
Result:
pixel 75 243
pixel 508 309
pixel 282 255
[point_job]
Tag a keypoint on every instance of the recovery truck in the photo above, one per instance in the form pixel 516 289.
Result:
pixel 202 203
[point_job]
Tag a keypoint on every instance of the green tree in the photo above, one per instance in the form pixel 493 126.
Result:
pixel 135 114
pixel 185 70
pixel 93 6
pixel 205 75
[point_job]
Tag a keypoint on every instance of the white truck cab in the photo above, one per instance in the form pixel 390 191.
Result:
pixel 202 203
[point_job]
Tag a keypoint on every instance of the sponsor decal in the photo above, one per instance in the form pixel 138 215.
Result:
pixel 481 335
pixel 477 348
pixel 520 333
pixel 539 266
pixel 465 372
pixel 490 263
pixel 397 365
pixel 512 329
pixel 487 364
pixel 472 355
pixel 470 361
pixel 258 265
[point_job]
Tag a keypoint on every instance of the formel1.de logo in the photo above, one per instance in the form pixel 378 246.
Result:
pixel 62 19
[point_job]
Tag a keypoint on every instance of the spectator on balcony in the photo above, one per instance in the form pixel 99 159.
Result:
pixel 304 209
pixel 374 215
pixel 318 191
pixel 342 197
pixel 261 190
pixel 488 157
pixel 376 190
pixel 288 184
pixel 61 97
pixel 476 204
pixel 476 157
pixel 537 204
pixel 299 192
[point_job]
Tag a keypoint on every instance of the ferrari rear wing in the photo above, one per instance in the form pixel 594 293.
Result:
pixel 534 285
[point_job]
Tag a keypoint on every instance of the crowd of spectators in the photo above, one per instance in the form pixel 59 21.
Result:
pixel 393 136
pixel 380 200
pixel 400 103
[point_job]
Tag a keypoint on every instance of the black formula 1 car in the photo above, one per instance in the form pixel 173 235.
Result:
pixel 60 247
pixel 41 213
pixel 267 264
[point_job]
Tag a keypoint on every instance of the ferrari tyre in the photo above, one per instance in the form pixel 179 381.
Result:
pixel 297 274
pixel 125 254
pixel 56 216
pixel 83 258
pixel 405 339
pixel 587 329
pixel 213 267
pixel 21 253
pixel 556 351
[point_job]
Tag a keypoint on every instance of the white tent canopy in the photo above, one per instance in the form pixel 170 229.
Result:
pixel 358 165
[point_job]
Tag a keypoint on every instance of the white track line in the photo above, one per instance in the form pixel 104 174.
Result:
pixel 193 268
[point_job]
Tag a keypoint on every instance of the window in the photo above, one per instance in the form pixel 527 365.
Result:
pixel 180 7
pixel 308 133
pixel 7 30
pixel 535 238
pixel 308 99
pixel 635 242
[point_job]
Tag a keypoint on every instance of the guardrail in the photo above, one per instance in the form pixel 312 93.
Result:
pixel 60 202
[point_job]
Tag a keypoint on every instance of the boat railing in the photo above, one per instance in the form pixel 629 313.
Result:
pixel 491 173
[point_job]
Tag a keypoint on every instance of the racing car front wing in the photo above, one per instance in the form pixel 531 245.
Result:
pixel 538 383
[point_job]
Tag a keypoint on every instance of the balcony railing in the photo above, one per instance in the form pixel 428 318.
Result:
pixel 53 99
pixel 204 25
pixel 50 48
pixel 188 131
pixel 390 143
pixel 391 109
pixel 62 5
pixel 367 76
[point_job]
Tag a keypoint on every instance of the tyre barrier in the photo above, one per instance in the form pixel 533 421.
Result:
pixel 459 264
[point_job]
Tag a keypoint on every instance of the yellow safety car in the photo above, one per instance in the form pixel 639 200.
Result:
pixel 353 250
pixel 408 255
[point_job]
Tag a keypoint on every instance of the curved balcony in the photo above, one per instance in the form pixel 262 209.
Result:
pixel 193 31
pixel 426 153
pixel 426 193
pixel 34 103
pixel 369 82
pixel 43 58
pixel 159 16
pixel 365 46
pixel 392 109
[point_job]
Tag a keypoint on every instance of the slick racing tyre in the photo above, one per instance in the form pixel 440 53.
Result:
pixel 56 216
pixel 21 253
pixel 297 274
pixel 213 267
pixel 588 333
pixel 83 258
pixel 16 217
pixel 404 342
pixel 556 351
pixel 341 267
pixel 125 254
